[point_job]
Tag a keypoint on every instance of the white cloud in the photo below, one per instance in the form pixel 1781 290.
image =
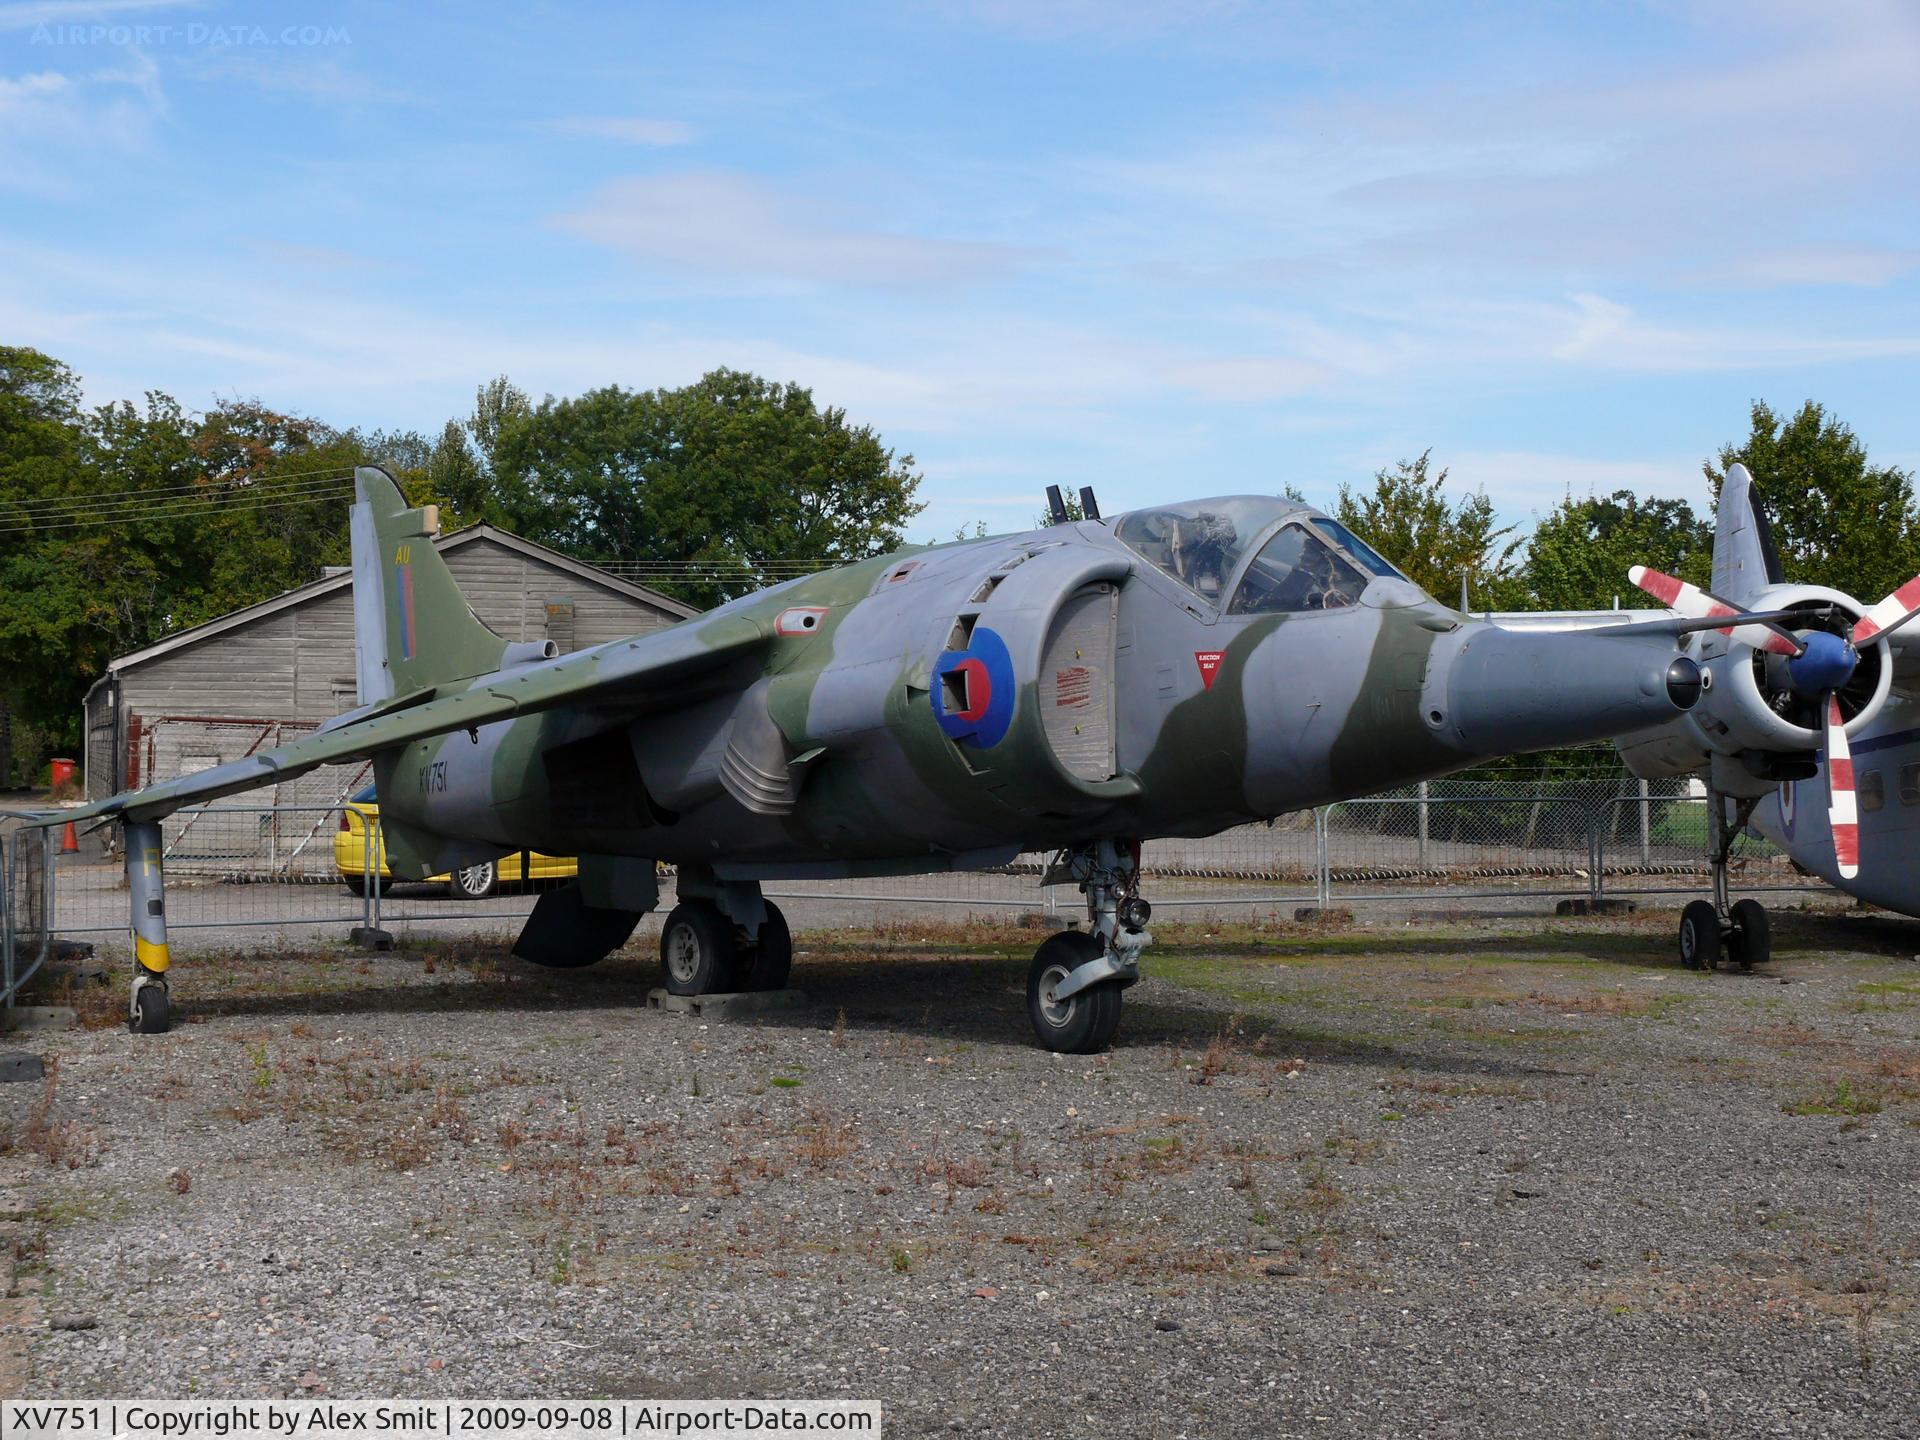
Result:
pixel 1248 378
pixel 324 79
pixel 633 130
pixel 1522 481
pixel 1831 265
pixel 1797 123
pixel 1606 335
pixel 50 123
pixel 32 15
pixel 732 224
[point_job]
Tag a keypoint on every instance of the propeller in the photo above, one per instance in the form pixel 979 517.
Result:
pixel 1843 811
pixel 1818 666
pixel 1697 604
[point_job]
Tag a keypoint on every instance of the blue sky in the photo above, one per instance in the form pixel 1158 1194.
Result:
pixel 1164 250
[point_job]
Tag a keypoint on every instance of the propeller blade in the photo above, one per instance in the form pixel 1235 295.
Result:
pixel 1890 614
pixel 1843 814
pixel 1695 603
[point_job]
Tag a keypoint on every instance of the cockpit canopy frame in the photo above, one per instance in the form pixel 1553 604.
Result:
pixel 1255 554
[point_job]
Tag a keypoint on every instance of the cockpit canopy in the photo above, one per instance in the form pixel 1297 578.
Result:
pixel 1303 561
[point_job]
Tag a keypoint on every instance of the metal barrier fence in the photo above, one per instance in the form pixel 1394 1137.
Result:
pixel 275 868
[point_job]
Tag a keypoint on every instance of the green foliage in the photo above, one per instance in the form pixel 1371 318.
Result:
pixel 1075 510
pixel 1837 520
pixel 1579 556
pixel 186 534
pixel 1435 541
pixel 721 476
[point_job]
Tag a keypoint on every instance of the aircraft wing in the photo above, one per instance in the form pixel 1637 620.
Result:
pixel 1575 619
pixel 645 672
pixel 1904 642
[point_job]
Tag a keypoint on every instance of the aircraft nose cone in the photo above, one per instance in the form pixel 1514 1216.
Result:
pixel 1827 665
pixel 1683 682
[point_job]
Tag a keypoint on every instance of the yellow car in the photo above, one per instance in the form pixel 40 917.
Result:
pixel 472 882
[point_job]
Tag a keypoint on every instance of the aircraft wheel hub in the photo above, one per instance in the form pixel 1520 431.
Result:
pixel 1057 1013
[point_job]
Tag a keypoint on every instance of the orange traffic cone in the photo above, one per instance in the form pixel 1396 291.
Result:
pixel 69 840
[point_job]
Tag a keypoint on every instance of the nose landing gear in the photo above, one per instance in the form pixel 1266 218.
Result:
pixel 1075 980
pixel 1712 930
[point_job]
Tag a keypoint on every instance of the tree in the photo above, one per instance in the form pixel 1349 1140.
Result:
pixel 1075 511
pixel 722 477
pixel 122 524
pixel 1837 520
pixel 1409 519
pixel 1579 555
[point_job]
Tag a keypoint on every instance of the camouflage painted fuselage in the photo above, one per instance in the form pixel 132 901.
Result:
pixel 950 707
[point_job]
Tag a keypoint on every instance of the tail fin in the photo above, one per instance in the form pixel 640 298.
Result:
pixel 1744 560
pixel 411 625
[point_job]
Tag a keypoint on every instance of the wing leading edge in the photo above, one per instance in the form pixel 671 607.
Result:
pixel 634 675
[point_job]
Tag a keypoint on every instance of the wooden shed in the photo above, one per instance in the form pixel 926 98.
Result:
pixel 274 671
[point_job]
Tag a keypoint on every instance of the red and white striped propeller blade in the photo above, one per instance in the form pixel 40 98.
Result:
pixel 1890 614
pixel 1696 604
pixel 1843 813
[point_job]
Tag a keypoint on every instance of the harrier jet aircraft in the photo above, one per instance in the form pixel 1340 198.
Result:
pixel 1799 724
pixel 1075 689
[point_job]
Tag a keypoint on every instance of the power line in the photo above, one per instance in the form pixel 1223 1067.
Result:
pixel 137 499
pixel 135 509
pixel 185 512
pixel 195 487
pixel 172 511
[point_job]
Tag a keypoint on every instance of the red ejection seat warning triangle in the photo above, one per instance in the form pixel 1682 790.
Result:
pixel 1209 663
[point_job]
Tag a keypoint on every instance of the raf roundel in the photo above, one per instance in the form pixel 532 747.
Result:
pixel 974 691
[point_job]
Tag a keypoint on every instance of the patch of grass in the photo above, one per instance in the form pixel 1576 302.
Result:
pixel 1611 1004
pixel 1843 1099
pixel 785 1082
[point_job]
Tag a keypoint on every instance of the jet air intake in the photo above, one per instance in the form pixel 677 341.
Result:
pixel 1503 692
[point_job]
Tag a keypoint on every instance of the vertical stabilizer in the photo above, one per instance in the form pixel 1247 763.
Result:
pixel 411 625
pixel 1744 560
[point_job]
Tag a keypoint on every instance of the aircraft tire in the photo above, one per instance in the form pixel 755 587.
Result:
pixel 1700 939
pixel 768 961
pixel 1084 1024
pixel 1751 942
pixel 152 1011
pixel 696 949
pixel 357 885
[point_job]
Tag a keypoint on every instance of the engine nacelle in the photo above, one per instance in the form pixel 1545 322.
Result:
pixel 1749 706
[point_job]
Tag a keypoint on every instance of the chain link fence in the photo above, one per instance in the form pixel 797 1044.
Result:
pixel 298 873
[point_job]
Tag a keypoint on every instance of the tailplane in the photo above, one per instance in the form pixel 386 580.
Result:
pixel 1744 559
pixel 412 628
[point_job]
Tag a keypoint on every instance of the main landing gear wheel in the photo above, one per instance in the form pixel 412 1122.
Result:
pixel 1750 941
pixel 697 949
pixel 474 882
pixel 1081 1024
pixel 765 963
pixel 1699 935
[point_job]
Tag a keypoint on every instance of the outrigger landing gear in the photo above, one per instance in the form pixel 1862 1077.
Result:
pixel 724 936
pixel 1711 930
pixel 149 1007
pixel 1074 983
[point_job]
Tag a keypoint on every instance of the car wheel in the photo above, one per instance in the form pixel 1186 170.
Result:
pixel 474 882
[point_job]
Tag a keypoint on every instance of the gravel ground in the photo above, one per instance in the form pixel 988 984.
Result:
pixel 1514 1177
